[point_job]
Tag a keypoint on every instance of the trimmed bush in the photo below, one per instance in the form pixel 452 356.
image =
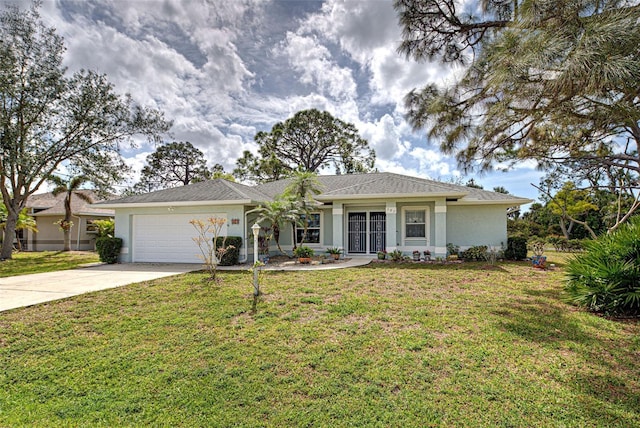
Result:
pixel 606 277
pixel 516 248
pixel 232 255
pixel 108 249
pixel 476 253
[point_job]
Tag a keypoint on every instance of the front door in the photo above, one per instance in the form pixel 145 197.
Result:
pixel 367 232
pixel 357 230
pixel 377 231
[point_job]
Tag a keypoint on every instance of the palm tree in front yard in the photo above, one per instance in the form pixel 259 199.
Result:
pixel 70 187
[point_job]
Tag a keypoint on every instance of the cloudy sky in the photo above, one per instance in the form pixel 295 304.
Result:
pixel 223 70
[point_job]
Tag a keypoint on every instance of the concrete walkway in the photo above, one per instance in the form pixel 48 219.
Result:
pixel 27 290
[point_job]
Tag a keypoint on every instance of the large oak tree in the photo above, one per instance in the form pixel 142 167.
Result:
pixel 309 141
pixel 49 117
pixel 550 80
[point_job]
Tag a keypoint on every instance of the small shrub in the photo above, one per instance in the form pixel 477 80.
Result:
pixel 476 253
pixel 559 243
pixel 574 245
pixel 516 248
pixel 606 277
pixel 231 250
pixel 396 256
pixel 453 250
pixel 303 252
pixel 108 249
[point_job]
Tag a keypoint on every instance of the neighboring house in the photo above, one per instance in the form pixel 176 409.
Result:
pixel 360 213
pixel 48 209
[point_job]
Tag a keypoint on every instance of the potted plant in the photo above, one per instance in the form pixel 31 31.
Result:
pixel 304 254
pixel 335 252
pixel 427 255
pixel 416 256
pixel 382 254
pixel 538 260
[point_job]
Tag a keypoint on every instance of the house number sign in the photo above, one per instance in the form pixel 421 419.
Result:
pixel 392 210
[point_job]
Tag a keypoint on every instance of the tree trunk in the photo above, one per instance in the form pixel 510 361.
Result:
pixel 9 233
pixel 563 227
pixel 67 219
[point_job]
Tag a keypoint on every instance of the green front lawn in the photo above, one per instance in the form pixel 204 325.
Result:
pixel 24 263
pixel 455 345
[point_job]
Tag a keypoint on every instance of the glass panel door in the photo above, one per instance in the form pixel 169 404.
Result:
pixel 357 230
pixel 377 231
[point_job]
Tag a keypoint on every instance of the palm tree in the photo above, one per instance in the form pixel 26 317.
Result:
pixel 71 188
pixel 300 192
pixel 275 213
pixel 25 222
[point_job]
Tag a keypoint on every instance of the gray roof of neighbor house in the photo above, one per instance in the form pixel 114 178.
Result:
pixel 46 204
pixel 378 185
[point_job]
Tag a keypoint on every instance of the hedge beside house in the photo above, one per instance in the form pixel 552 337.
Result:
pixel 232 244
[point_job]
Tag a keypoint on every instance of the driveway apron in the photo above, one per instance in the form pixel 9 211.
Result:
pixel 27 290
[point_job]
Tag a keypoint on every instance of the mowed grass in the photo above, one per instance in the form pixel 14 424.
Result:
pixel 383 345
pixel 24 263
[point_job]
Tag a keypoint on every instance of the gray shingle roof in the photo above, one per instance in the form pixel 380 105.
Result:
pixel 388 185
pixel 46 204
pixel 379 185
pixel 204 191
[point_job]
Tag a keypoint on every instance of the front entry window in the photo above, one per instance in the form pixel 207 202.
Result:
pixel 313 229
pixel 415 224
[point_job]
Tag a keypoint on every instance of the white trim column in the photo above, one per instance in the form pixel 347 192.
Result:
pixel 440 238
pixel 391 211
pixel 338 225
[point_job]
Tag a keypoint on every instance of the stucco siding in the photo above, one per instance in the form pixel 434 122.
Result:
pixel 477 225
pixel 50 238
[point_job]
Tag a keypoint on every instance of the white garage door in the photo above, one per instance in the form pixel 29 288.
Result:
pixel 167 238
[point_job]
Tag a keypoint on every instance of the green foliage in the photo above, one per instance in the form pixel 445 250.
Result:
pixel 551 81
pixel 606 277
pixel 303 251
pixel 516 248
pixel 334 250
pixel 232 245
pixel 171 165
pixel 396 256
pixel 476 253
pixel 452 249
pixel 49 117
pixel 309 141
pixel 104 228
pixel 108 249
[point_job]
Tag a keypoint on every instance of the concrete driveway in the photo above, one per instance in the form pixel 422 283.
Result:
pixel 27 290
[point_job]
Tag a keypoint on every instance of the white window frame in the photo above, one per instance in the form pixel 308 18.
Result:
pixel 320 228
pixel 427 225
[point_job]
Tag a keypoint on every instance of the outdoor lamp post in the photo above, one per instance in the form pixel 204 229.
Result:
pixel 256 230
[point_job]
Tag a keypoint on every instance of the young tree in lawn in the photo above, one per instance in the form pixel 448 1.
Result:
pixel 171 165
pixel 48 117
pixel 70 189
pixel 309 141
pixel 552 81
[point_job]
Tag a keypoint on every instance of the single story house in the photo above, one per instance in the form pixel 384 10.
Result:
pixel 48 209
pixel 359 213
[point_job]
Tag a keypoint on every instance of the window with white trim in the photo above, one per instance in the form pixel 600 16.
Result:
pixel 415 223
pixel 313 229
